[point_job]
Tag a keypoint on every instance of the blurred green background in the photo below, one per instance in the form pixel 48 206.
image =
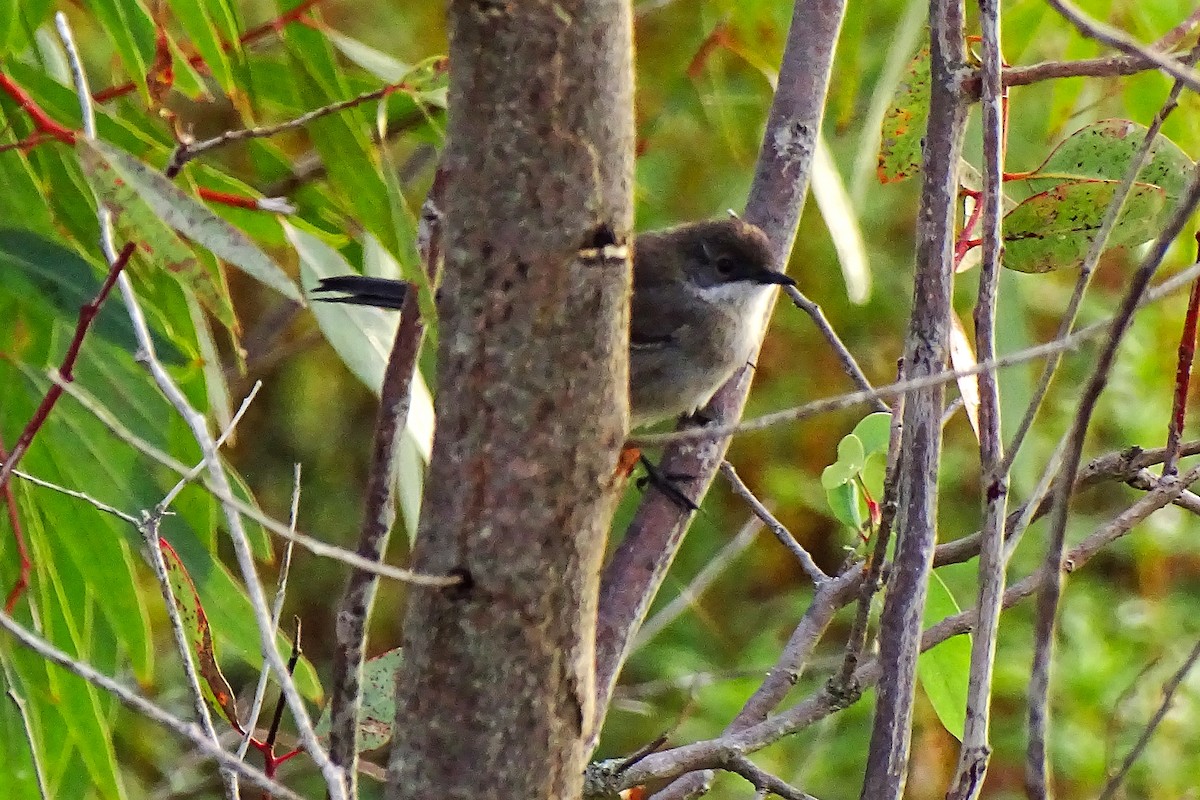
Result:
pixel 704 75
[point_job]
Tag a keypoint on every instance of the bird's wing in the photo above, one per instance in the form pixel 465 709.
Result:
pixel 654 323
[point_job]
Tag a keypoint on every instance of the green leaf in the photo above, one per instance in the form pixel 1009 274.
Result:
pixel 139 221
pixel 215 688
pixel 1054 230
pixel 187 215
pixel 198 19
pixel 903 134
pixel 376 62
pixel 64 279
pixel 131 31
pixel 845 503
pixel 1104 150
pixel 378 713
pixel 874 431
pixel 944 670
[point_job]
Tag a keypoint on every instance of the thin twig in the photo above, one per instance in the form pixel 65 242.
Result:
pixel 1168 695
pixel 195 471
pixel 186 151
pixel 1118 40
pixel 848 362
pixel 975 750
pixel 785 537
pixel 285 566
pixel 379 513
pixel 1183 375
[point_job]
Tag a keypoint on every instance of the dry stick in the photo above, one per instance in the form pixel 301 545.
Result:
pixel 975 750
pixel 198 426
pixel 186 151
pixel 1036 774
pixel 354 608
pixel 713 752
pixel 1107 225
pixel 849 364
pixel 925 355
pixel 1118 40
pixel 285 566
pixel 636 570
pixel 99 505
pixel 713 568
pixel 1114 783
pixel 1183 375
pixel 785 537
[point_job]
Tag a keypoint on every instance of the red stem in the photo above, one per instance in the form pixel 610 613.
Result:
pixel 271 26
pixel 41 120
pixel 1183 375
pixel 66 371
pixel 22 582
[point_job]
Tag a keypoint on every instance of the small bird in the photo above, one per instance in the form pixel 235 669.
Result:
pixel 699 300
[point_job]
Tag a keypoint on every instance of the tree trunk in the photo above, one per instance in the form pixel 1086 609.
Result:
pixel 497 683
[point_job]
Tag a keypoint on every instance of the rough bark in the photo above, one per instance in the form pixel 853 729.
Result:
pixel 497 686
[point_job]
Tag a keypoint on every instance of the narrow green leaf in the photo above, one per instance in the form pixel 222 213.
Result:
pixel 131 31
pixel 188 216
pixel 196 18
pixel 376 62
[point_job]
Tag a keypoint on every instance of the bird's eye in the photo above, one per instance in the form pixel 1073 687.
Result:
pixel 724 265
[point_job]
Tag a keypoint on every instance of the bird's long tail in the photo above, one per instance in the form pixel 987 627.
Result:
pixel 360 290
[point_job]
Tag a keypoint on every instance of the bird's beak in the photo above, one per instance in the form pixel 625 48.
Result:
pixel 768 276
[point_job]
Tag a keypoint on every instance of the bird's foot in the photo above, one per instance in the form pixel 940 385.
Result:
pixel 667 484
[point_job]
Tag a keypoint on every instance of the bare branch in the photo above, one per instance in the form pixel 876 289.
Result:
pixel 1168 695
pixel 975 750
pixel 1118 40
pixel 1037 766
pixel 285 566
pixel 785 537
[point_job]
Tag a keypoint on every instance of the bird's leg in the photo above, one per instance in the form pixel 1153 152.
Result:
pixel 667 484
